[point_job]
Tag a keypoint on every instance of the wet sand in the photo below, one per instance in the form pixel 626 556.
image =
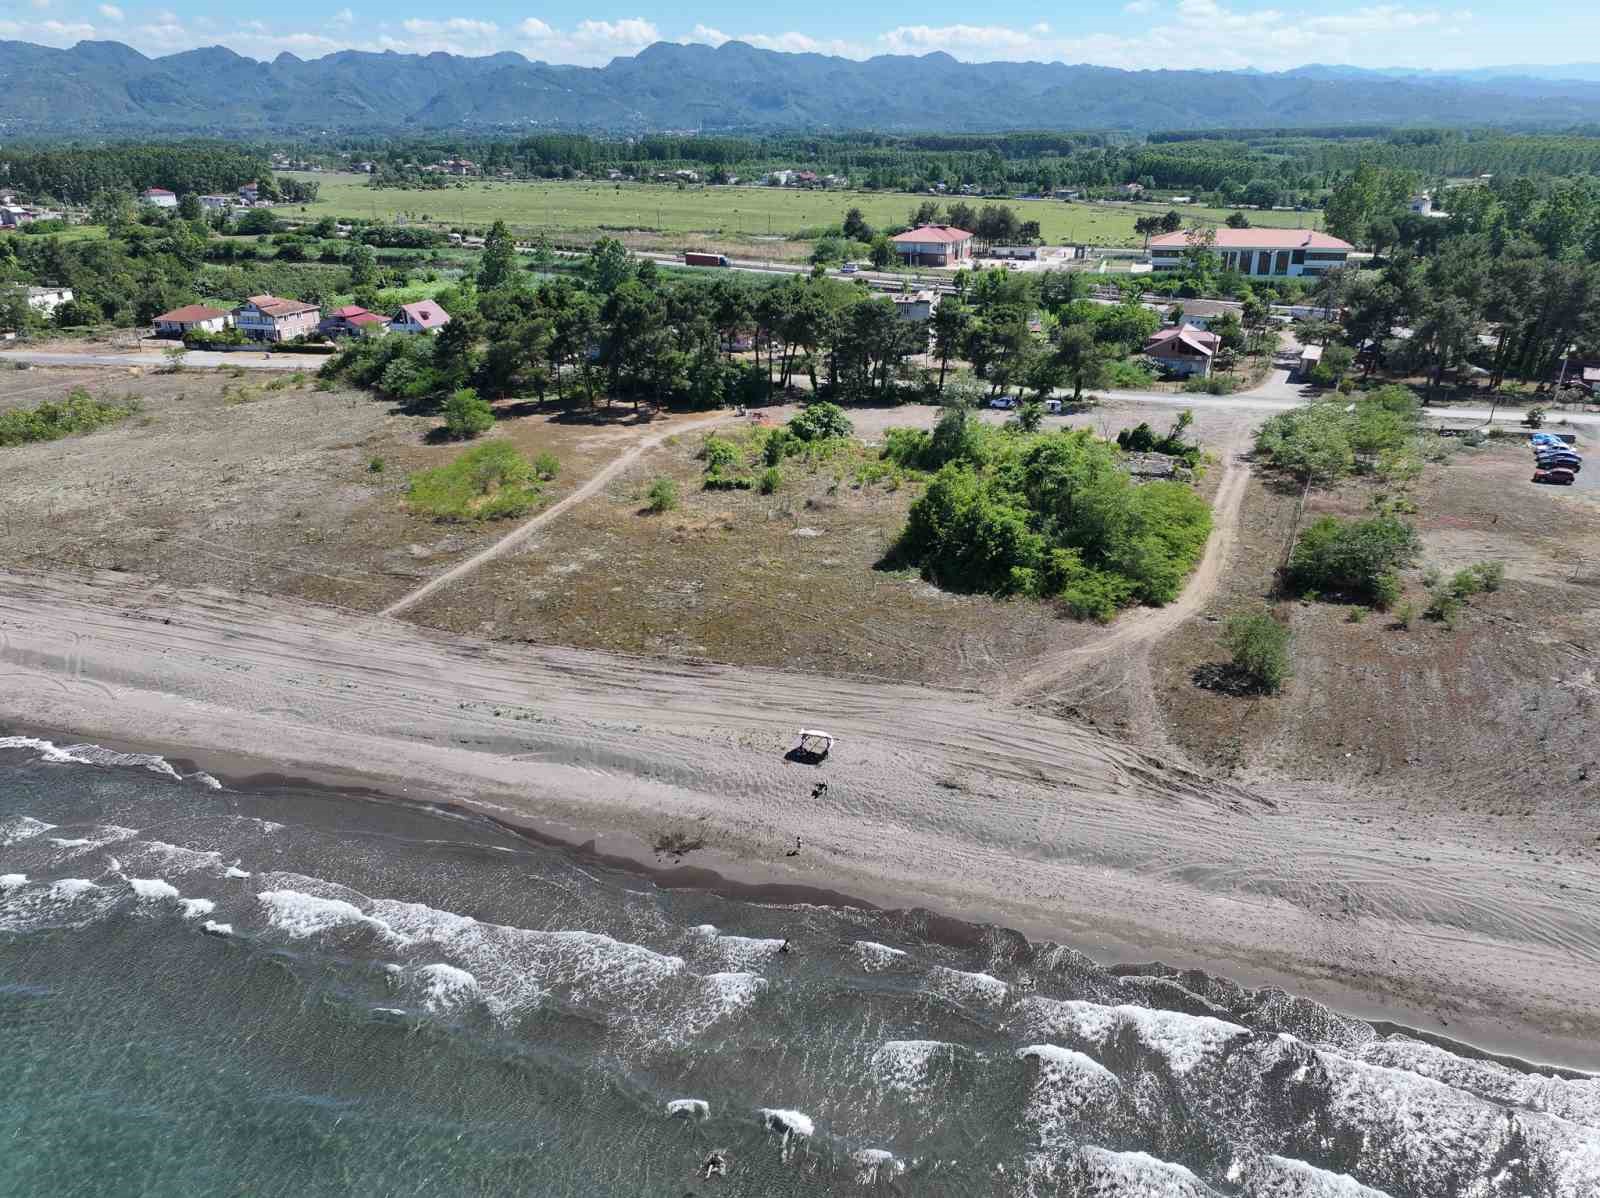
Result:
pixel 937 799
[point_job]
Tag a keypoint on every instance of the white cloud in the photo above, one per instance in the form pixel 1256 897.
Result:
pixel 41 4
pixel 344 18
pixel 111 12
pixel 627 35
pixel 1139 8
pixel 794 43
pixel 66 32
pixel 975 41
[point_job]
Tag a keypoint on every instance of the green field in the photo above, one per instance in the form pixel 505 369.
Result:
pixel 584 209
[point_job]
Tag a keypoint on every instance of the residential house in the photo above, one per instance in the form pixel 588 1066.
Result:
pixel 159 197
pixel 250 193
pixel 423 317
pixel 14 216
pixel 352 320
pixel 454 166
pixel 191 318
pixel 216 203
pixel 364 168
pixel 268 318
pixel 1132 190
pixel 915 305
pixel 1184 350
pixel 933 245
pixel 1262 253
pixel 7 196
pixel 45 300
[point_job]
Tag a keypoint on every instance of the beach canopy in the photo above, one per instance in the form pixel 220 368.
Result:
pixel 810 735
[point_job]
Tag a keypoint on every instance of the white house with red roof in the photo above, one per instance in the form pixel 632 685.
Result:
pixel 1260 253
pixel 933 245
pixel 191 318
pixel 159 197
pixel 422 317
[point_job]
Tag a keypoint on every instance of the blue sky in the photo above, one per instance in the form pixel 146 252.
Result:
pixel 1220 34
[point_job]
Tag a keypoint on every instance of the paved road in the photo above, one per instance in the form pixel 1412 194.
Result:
pixel 203 359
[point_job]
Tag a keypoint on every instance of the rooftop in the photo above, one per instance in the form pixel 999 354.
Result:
pixel 189 314
pixel 926 233
pixel 1257 239
pixel 1196 339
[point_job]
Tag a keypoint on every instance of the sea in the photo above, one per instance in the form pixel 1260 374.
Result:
pixel 266 988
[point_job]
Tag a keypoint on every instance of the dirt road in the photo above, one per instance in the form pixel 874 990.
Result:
pixel 522 532
pixel 951 800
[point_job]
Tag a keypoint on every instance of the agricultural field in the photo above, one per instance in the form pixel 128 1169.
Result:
pixel 729 213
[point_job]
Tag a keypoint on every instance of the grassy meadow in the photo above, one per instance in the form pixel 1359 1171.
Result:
pixel 731 213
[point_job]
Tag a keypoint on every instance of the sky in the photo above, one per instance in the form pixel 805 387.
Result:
pixel 1214 34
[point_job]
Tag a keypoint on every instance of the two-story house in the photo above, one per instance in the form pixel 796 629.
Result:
pixel 159 197
pixel 352 320
pixel 423 317
pixel 933 245
pixel 268 318
pixel 1262 253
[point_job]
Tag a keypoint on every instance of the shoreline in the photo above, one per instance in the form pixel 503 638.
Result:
pixel 950 802
pixel 726 877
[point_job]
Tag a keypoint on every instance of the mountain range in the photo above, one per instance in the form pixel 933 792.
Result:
pixel 107 87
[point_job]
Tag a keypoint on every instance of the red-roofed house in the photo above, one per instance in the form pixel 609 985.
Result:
pixel 191 317
pixel 424 317
pixel 933 245
pixel 353 320
pixel 159 197
pixel 1184 350
pixel 1262 253
pixel 268 318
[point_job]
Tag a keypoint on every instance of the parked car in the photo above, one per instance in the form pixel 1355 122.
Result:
pixel 849 268
pixel 1545 439
pixel 1558 477
pixel 1053 406
pixel 1004 402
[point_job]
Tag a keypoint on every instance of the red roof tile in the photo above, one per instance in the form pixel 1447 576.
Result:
pixel 948 234
pixel 189 314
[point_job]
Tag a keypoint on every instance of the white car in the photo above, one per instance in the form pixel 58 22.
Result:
pixel 849 268
pixel 1004 402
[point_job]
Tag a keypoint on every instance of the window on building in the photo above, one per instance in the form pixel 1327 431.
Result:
pixel 1283 262
pixel 1299 258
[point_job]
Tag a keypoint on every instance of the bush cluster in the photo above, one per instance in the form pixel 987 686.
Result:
pixel 1260 649
pixel 80 412
pixel 1048 515
pixel 1333 437
pixel 491 481
pixel 1358 558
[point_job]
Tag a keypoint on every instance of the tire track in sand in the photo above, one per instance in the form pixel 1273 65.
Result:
pixel 525 530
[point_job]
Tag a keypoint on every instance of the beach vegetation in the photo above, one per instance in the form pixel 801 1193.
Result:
pixel 1358 558
pixel 662 496
pixel 1259 646
pixel 491 481
pixel 80 412
pixel 466 415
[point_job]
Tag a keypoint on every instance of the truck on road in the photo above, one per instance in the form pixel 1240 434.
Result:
pixel 695 258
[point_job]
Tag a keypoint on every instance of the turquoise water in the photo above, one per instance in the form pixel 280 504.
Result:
pixel 274 991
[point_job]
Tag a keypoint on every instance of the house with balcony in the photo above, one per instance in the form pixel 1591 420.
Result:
pixel 933 245
pixel 268 318
pixel 1183 350
pixel 353 320
pixel 1259 253
pixel 423 317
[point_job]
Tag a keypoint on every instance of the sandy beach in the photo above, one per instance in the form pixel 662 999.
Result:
pixel 950 800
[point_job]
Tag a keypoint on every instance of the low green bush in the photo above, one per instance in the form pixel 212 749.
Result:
pixel 662 496
pixel 820 421
pixel 1260 649
pixel 80 412
pixel 1352 556
pixel 466 415
pixel 546 465
pixel 771 480
pixel 491 481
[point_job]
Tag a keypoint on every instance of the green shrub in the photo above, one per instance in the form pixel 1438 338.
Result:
pixel 820 421
pixel 771 480
pixel 487 482
pixel 375 466
pixel 1405 614
pixel 1445 606
pixel 1386 590
pixel 1351 556
pixel 779 444
pixel 80 412
pixel 1215 384
pixel 1260 649
pixel 546 465
pixel 1125 375
pixel 465 415
pixel 1491 575
pixel 1464 584
pixel 663 495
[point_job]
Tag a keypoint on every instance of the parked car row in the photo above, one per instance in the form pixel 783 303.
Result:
pixel 1555 463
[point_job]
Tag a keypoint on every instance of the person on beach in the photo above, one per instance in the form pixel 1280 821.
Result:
pixel 794 852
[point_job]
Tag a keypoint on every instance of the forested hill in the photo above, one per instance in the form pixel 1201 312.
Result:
pixel 108 87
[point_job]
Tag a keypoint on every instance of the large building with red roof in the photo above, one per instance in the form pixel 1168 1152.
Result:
pixel 1260 253
pixel 933 245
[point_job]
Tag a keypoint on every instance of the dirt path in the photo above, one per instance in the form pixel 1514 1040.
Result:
pixel 1135 631
pixel 525 530
pixel 945 799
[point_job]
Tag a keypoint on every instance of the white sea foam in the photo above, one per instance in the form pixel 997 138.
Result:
pixel 1184 1041
pixel 874 1164
pixel 737 952
pixel 874 956
pixel 1068 1088
pixel 153 889
pixel 67 903
pixel 1135 1174
pixel 98 837
pixel 717 996
pixel 205 780
pixel 21 827
pixel 389 1011
pixel 301 915
pixel 912 1067
pixel 1285 1177
pixel 1575 1099
pixel 971 989
pixel 217 929
pixel 194 908
pixel 446 988
pixel 790 1123
pixel 171 858
pixel 87 754
pixel 12 881
pixel 233 871
pixel 72 888
pixel 689 1108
